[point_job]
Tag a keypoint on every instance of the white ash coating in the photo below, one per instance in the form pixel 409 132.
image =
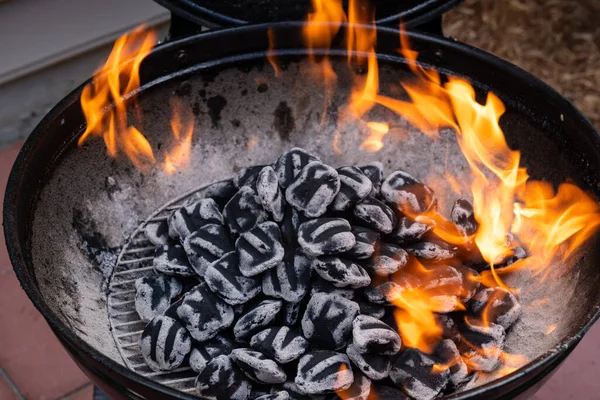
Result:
pixel 153 295
pixel 370 335
pixel 257 367
pixel 324 236
pixel 269 193
pixel 281 343
pixel 259 249
pixel 375 366
pixel 160 333
pixel 321 372
pixel 313 189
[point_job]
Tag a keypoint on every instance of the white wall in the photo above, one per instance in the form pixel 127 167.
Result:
pixel 48 47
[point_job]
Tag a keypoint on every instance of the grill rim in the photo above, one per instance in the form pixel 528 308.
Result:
pixel 17 216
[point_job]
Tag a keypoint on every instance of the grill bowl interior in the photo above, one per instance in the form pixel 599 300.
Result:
pixel 69 210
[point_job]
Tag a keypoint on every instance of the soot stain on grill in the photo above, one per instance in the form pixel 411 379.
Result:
pixel 216 104
pixel 262 88
pixel 284 120
pixel 184 89
pixel 196 108
pixel 93 244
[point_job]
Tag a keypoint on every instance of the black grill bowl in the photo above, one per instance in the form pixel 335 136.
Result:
pixel 60 219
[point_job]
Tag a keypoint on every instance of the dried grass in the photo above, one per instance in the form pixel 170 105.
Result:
pixel 556 40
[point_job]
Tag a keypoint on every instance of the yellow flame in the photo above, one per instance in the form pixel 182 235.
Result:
pixel 374 142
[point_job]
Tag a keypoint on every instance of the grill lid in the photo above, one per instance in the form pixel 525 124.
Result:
pixel 227 13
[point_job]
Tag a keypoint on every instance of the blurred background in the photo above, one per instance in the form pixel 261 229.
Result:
pixel 49 47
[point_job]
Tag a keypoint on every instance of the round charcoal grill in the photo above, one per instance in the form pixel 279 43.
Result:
pixel 73 215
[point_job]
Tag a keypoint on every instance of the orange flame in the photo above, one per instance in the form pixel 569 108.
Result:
pixel 182 125
pixel 118 79
pixel 503 199
pixel 551 225
pixel 439 290
pixel 105 104
pixel 270 53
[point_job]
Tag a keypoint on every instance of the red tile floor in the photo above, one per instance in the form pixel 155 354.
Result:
pixel 34 366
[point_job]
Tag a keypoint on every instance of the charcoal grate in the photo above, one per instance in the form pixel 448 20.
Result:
pixel 135 261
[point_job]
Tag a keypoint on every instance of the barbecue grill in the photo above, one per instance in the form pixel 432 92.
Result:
pixel 73 217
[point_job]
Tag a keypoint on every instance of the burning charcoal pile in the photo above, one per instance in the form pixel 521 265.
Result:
pixel 297 280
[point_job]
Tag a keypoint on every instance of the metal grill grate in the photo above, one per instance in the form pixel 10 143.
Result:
pixel 135 261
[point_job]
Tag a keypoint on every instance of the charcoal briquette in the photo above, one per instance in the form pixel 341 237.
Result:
pixel 290 279
pixel 443 286
pixel 290 163
pixel 324 371
pixel 481 344
pixel 157 232
pixel 471 280
pixel 375 214
pixel 192 216
pixel 448 354
pixel 203 313
pixel 257 318
pixel 290 312
pixel 292 219
pixel 449 327
pixel 207 245
pixel 153 295
pixel 366 240
pixel 269 193
pixel 409 231
pixel 463 216
pixel 370 309
pixel 499 305
pixel 432 250
pixel 244 211
pixel 320 285
pixel 408 194
pixel 383 293
pixel 387 260
pixel 341 273
pixel 171 259
pixel 325 236
pixel 359 390
pixel 259 249
pixel 221 379
pixel 221 191
pixel 258 367
pixel 280 395
pixel 314 189
pixel 164 343
pixel 414 372
pixel 373 171
pixel 260 390
pixel 328 320
pixel 225 279
pixel 354 187
pixel 283 344
pixel 370 335
pixel 203 352
pixel 247 176
pixel 382 392
pixel 375 366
